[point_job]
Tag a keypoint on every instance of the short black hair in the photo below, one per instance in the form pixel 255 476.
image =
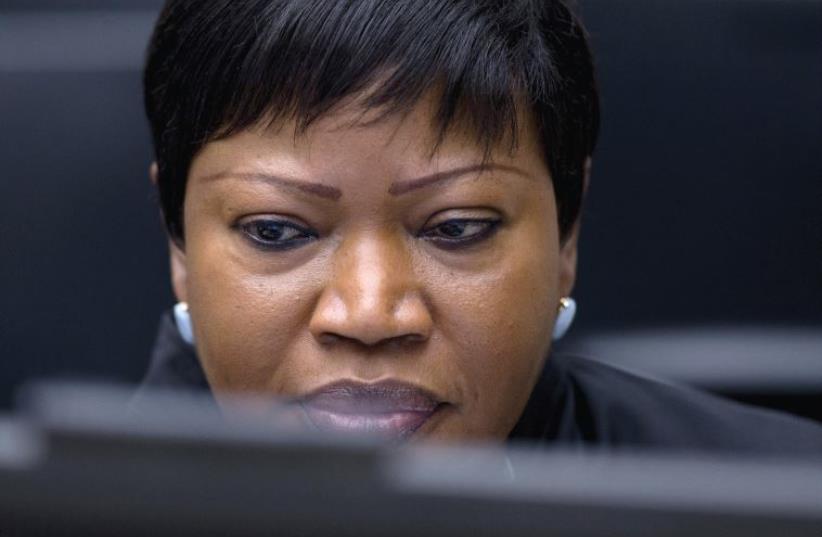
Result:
pixel 216 67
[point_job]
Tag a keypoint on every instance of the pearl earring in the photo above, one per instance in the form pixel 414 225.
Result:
pixel 567 311
pixel 183 320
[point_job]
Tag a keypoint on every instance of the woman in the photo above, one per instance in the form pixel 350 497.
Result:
pixel 373 212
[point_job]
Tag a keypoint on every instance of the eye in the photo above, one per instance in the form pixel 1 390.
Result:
pixel 460 232
pixel 272 234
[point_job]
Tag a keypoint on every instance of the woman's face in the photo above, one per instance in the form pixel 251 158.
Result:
pixel 381 287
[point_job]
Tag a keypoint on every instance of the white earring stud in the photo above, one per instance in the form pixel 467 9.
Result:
pixel 183 321
pixel 567 311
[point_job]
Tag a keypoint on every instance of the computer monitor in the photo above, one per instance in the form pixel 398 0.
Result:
pixel 73 464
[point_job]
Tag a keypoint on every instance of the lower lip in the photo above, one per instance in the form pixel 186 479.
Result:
pixel 393 425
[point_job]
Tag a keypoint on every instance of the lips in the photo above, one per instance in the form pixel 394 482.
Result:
pixel 390 409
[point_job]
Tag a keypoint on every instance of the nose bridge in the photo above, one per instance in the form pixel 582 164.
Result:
pixel 371 295
pixel 372 274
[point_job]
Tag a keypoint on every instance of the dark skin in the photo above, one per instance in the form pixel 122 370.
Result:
pixel 349 252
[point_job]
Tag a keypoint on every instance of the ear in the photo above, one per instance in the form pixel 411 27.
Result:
pixel 568 249
pixel 153 173
pixel 176 255
pixel 568 262
pixel 179 272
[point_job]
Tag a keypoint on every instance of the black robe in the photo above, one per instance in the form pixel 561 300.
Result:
pixel 583 403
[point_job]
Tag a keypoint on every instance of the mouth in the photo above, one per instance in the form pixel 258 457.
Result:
pixel 389 409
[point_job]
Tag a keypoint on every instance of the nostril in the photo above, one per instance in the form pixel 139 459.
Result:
pixel 410 339
pixel 403 341
pixel 328 338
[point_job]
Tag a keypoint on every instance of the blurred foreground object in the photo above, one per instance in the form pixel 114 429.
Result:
pixel 73 463
pixel 771 366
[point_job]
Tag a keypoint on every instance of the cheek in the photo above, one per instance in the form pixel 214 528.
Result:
pixel 245 322
pixel 500 321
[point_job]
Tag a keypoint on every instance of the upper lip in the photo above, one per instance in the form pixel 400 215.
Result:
pixel 385 397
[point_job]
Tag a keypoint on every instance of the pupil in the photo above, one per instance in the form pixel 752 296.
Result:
pixel 452 229
pixel 269 231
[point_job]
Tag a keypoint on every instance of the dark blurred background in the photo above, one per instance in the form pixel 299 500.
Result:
pixel 701 251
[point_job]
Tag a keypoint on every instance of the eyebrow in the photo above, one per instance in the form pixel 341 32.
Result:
pixel 397 189
pixel 441 178
pixel 317 189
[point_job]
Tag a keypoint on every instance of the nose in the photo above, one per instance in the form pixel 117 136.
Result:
pixel 372 295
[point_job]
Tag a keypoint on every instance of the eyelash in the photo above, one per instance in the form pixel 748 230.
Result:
pixel 489 226
pixel 253 229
